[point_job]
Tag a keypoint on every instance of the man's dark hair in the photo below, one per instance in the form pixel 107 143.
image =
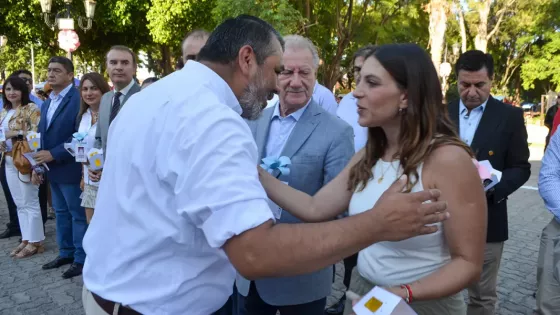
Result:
pixel 225 41
pixel 65 62
pixel 364 51
pixel 21 71
pixel 125 49
pixel 474 60
pixel 149 80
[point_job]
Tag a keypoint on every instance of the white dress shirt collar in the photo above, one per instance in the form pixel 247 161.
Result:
pixel 126 89
pixel 463 109
pixel 296 115
pixel 62 93
pixel 223 90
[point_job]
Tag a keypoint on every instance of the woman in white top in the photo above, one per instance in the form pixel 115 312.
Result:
pixel 400 101
pixel 18 117
pixel 92 88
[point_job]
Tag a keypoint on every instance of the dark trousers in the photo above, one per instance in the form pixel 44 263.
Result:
pixel 230 308
pixel 43 199
pixel 349 264
pixel 12 208
pixel 254 305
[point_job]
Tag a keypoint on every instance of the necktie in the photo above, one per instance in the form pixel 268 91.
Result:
pixel 116 106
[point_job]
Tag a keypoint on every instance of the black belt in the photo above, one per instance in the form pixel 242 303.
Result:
pixel 109 306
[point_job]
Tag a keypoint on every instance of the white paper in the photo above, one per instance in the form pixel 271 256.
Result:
pixel 2 135
pixel 34 140
pixel 492 171
pixel 381 302
pixel 95 158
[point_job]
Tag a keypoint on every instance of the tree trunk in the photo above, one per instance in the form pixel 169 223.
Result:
pixel 481 39
pixel 166 60
pixel 438 24
pixel 463 29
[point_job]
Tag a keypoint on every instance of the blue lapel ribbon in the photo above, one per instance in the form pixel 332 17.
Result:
pixel 280 164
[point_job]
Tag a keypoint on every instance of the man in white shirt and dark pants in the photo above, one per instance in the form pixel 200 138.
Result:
pixel 180 206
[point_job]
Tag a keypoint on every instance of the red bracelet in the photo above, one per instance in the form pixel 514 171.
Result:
pixel 409 290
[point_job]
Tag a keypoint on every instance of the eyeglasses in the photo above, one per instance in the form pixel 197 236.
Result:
pixel 27 80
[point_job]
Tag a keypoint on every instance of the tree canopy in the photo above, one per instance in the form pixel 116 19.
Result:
pixel 521 35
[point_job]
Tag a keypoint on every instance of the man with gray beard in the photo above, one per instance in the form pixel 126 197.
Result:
pixel 180 206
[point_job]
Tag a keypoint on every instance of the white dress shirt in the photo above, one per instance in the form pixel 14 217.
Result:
pixel 325 98
pixel 468 122
pixel 56 99
pixel 280 130
pixel 181 181
pixel 348 111
pixel 124 92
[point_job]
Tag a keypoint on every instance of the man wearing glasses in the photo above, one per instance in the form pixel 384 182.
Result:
pixel 192 44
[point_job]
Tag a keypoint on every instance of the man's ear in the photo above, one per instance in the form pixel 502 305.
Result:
pixel 246 59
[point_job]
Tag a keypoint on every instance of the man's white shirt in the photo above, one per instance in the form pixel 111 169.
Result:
pixel 348 111
pixel 182 181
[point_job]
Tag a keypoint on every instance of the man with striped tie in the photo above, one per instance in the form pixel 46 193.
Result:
pixel 121 67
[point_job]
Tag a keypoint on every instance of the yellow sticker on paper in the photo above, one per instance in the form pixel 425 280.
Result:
pixel 97 163
pixel 373 304
pixel 35 144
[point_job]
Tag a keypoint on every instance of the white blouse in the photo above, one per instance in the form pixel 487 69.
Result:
pixel 397 263
pixel 86 126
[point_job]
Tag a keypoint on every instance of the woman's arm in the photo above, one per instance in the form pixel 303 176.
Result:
pixel 451 170
pixel 328 202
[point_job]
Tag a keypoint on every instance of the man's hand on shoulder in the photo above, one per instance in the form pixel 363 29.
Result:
pixel 400 216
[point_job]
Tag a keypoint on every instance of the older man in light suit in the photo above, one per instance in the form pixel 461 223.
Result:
pixel 121 67
pixel 319 145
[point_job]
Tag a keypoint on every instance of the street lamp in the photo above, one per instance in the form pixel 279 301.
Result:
pixel 67 38
pixel 64 18
pixel 3 42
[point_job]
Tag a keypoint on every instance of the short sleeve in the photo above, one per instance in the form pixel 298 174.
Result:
pixel 219 190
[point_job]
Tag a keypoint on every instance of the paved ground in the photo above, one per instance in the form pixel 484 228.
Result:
pixel 25 289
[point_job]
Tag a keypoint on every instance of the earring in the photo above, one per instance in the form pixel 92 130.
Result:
pixel 402 111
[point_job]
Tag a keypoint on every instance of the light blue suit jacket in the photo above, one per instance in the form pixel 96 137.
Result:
pixel 319 146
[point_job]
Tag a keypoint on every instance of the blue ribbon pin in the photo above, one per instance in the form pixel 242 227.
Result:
pixel 280 164
pixel 79 136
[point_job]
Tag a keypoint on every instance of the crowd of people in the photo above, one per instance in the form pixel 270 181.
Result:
pixel 191 213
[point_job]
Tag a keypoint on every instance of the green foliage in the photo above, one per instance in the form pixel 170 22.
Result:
pixel 170 20
pixel 543 63
pixel 279 13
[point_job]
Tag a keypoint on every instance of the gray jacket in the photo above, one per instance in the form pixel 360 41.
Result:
pixel 320 146
pixel 105 113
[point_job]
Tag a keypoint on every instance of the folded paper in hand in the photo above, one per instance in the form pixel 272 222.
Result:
pixel 490 177
pixel 381 302
pixel 30 156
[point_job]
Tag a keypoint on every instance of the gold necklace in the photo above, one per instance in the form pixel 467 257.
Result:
pixel 384 171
